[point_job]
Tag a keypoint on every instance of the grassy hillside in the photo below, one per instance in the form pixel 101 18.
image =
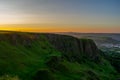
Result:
pixel 114 58
pixel 28 56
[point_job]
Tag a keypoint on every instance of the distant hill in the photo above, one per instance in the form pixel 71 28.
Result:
pixel 35 56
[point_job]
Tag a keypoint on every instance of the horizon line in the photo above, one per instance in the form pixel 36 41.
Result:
pixel 60 32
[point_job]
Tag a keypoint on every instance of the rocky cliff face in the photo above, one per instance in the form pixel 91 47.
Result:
pixel 75 49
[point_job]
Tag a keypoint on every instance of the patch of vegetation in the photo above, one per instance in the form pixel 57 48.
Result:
pixel 114 58
pixel 7 77
pixel 43 74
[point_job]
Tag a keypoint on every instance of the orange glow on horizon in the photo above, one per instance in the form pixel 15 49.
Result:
pixel 47 28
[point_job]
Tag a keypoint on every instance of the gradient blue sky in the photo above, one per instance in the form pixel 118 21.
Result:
pixel 61 13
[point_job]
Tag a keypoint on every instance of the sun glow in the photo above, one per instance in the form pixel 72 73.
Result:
pixel 57 28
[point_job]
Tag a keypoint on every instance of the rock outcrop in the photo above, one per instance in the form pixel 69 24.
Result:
pixel 75 49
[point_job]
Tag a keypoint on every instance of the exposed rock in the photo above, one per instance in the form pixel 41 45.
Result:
pixel 19 38
pixel 75 49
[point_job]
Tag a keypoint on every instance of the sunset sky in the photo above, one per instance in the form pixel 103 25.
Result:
pixel 97 16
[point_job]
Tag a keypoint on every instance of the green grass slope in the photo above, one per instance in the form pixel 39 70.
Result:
pixel 28 56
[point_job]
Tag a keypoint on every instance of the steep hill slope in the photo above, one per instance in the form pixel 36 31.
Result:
pixel 74 49
pixel 32 56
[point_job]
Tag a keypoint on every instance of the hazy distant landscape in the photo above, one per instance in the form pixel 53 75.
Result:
pixel 108 40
